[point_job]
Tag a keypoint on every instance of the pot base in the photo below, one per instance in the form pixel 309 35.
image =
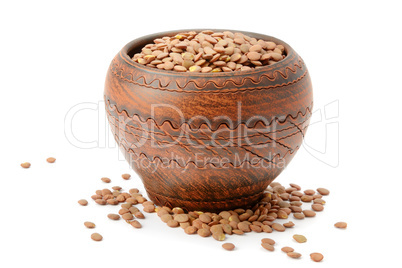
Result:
pixel 210 206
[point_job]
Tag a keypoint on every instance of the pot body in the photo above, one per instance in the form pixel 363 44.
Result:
pixel 208 141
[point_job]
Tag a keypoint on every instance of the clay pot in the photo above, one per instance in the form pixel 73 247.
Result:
pixel 207 141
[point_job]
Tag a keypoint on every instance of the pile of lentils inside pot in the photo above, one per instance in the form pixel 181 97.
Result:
pixel 209 51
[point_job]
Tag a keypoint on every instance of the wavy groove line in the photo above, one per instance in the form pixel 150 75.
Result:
pixel 265 134
pixel 113 107
pixel 301 130
pixel 122 140
pixel 239 90
pixel 268 142
pixel 185 146
pixel 255 154
pixel 294 133
pixel 145 81
pixel 285 75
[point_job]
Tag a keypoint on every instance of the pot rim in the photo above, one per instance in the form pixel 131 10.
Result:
pixel 146 39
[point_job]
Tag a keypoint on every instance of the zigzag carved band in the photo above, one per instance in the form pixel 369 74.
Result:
pixel 153 134
pixel 159 142
pixel 119 73
pixel 113 107
pixel 129 126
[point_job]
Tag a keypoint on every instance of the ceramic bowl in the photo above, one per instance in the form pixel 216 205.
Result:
pixel 208 141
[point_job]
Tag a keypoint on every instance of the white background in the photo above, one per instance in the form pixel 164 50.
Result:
pixel 54 55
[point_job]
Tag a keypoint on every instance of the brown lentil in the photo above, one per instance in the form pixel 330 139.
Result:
pixel 297 193
pixel 184 225
pixel 323 191
pixel 306 198
pixel 219 236
pixel 300 238
pixel 227 229
pixel 287 249
pixel 106 192
pixel 268 241
pixel 309 192
pixel 228 246
pixel 216 229
pixel 238 232
pixel 51 160
pixel 120 198
pixel 133 191
pixel 190 230
pixel 205 218
pixel 319 201
pixel 309 213
pixel 243 226
pixel 149 208
pixel 96 237
pixel 83 202
pixel 127 216
pixel 317 196
pixel 341 225
pixel 298 215
pixel 172 223
pixel 277 203
pixel 123 211
pixel 296 209
pixel 134 210
pixel 208 51
pixel 107 197
pixel 317 207
pixel 112 202
pixel 181 217
pixel 255 228
pixel 294 255
pixel 105 180
pixel 289 224
pixel 89 224
pixel 204 232
pixel 126 205
pixel 114 217
pixel 294 198
pixel 26 165
pixel 265 229
pixel 177 210
pixel 126 176
pixel 282 214
pixel 136 224
pixel 100 202
pixel 278 227
pixel 95 196
pixel 139 215
pixel 268 246
pixel 298 188
pixel 317 257
pixel 166 217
